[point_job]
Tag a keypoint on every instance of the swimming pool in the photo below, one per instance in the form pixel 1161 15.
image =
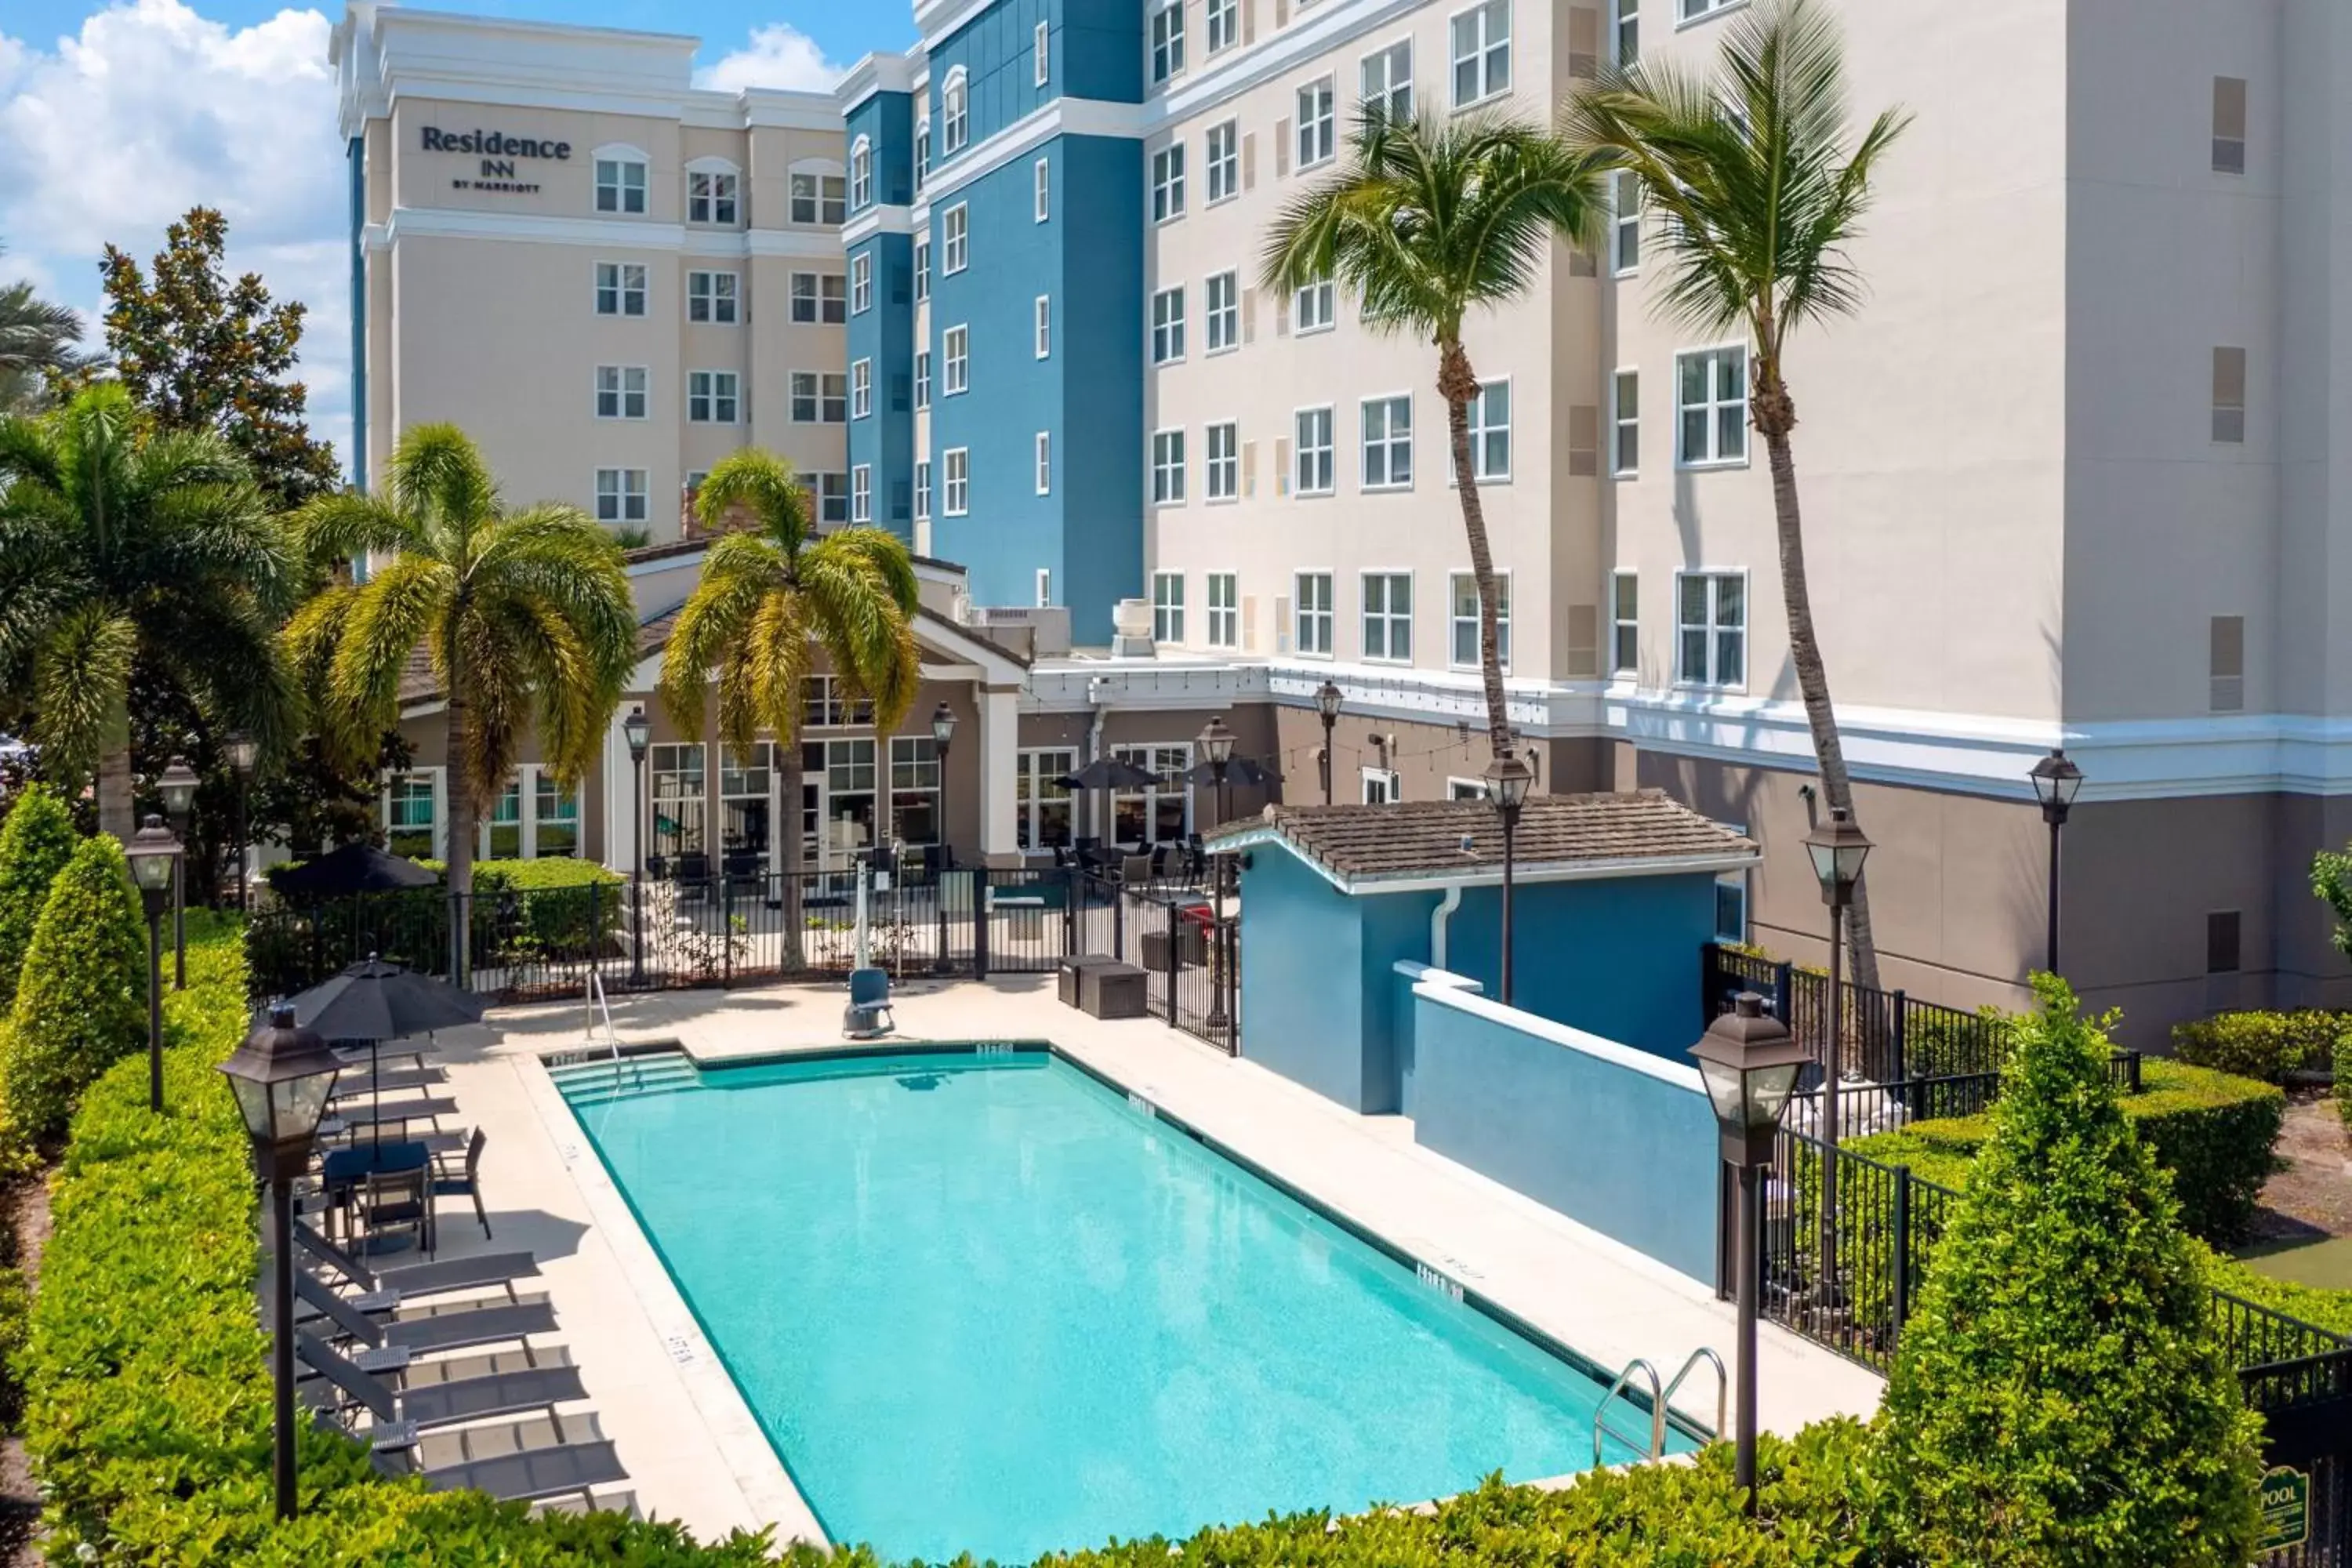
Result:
pixel 985 1302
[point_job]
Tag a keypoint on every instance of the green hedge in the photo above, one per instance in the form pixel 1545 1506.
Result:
pixel 2344 1076
pixel 35 842
pixel 2212 1131
pixel 81 999
pixel 2267 1045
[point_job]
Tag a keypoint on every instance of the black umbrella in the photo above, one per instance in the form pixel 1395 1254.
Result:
pixel 375 1002
pixel 354 868
pixel 1109 772
pixel 1240 771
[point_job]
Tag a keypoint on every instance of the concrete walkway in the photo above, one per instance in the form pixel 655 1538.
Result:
pixel 692 1449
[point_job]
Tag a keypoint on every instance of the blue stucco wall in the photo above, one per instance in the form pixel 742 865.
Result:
pixel 1100 322
pixel 1404 976
pixel 1571 1123
pixel 884 439
pixel 887 120
pixel 1301 947
pixel 1095 49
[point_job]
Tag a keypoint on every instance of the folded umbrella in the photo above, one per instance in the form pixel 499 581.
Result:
pixel 376 1001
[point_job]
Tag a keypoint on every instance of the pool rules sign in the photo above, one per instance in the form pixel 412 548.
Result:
pixel 2287 1509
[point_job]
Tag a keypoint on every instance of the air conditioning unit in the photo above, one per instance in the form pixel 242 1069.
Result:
pixel 1048 625
pixel 1130 624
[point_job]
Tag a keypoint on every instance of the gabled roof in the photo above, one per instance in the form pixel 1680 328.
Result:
pixel 1559 837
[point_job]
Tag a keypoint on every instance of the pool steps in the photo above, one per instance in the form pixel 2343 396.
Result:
pixel 601 1081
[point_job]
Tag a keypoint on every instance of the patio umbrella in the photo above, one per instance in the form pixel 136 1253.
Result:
pixel 1108 773
pixel 354 868
pixel 1243 772
pixel 375 1002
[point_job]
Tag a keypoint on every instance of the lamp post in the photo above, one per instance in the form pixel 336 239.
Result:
pixel 1217 743
pixel 1507 778
pixel 154 856
pixel 242 753
pixel 2057 780
pixel 943 724
pixel 639 730
pixel 281 1076
pixel 1326 703
pixel 1837 849
pixel 1750 1063
pixel 178 787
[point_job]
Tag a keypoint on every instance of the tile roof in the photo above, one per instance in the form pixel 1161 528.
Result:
pixel 1427 838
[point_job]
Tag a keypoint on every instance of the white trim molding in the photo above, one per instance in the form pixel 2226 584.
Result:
pixel 878 218
pixel 609 233
pixel 1063 117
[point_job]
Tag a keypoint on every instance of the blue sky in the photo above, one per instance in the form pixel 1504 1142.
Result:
pixel 116 117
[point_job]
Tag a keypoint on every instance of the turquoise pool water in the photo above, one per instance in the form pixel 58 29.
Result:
pixel 984 1303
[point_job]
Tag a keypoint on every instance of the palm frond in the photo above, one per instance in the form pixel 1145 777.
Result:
pixel 404 605
pixel 437 476
pixel 81 681
pixel 713 625
pixel 348 525
pixel 765 486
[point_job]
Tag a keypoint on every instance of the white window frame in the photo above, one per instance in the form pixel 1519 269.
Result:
pixel 1624 422
pixel 1380 786
pixel 621 392
pixel 1713 406
pixel 955 481
pixel 1040 189
pixel 861 283
pixel 1220 160
pixel 1168 607
pixel 861 492
pixel 1624 624
pixel 861 388
pixel 630 502
pixel 1385 97
pixel 621 288
pixel 1715 628
pixel 923 491
pixel 1625 33
pixel 1389 617
pixel 720 202
pixel 1224 623
pixel 1168 326
pixel 1456 621
pixel 1323 297
pixel 1459 789
pixel 1041 69
pixel 1320 618
pixel 922 380
pixel 1390 443
pixel 1314 469
pixel 1034 770
pixel 922 268
pixel 1168 182
pixel 1165 40
pixel 1221 470
pixel 1483 50
pixel 955 352
pixel 955 240
pixel 1690 13
pixel 1042 323
pixel 721 307
pixel 1168 463
pixel 1044 454
pixel 709 391
pixel 620 193
pixel 1316 131
pixel 1220 312
pixel 955 113
pixel 1480 430
pixel 1221 21
pixel 1043 581
pixel 1624 224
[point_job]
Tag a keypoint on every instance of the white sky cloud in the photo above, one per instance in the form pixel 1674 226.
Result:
pixel 779 55
pixel 152 109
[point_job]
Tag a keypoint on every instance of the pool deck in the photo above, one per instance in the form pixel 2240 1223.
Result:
pixel 691 1447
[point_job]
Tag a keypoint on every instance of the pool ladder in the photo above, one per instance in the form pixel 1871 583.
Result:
pixel 1661 1400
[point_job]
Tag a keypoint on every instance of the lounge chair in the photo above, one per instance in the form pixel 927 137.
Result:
pixel 400 1414
pixel 467 1185
pixel 388 1345
pixel 382 1289
pixel 868 1015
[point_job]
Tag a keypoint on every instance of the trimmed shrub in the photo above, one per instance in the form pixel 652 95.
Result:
pixel 2267 1045
pixel 35 842
pixel 81 1002
pixel 2344 1076
pixel 2060 1399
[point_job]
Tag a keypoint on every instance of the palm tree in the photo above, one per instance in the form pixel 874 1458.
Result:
pixel 1426 224
pixel 35 337
pixel 771 595
pixel 1760 195
pixel 524 616
pixel 122 545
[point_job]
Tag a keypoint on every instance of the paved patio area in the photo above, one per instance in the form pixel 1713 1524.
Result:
pixel 692 1449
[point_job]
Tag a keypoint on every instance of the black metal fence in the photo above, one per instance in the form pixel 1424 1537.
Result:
pixel 1187 942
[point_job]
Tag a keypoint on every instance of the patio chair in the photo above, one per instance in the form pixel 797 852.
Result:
pixel 390 1344
pixel 469 1185
pixel 382 1289
pixel 392 1201
pixel 399 1415
pixel 550 1455
pixel 868 1015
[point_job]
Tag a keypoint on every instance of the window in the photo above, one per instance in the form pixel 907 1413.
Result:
pixel 1042 195
pixel 820 296
pixel 922 492
pixel 1317 125
pixel 956 228
pixel 1224 24
pixel 861 283
pixel 710 297
pixel 1388 616
pixel 861 175
pixel 923 379
pixel 1625 223
pixel 1044 462
pixel 922 268
pixel 1692 10
pixel 1168 182
pixel 619 392
pixel 678 792
pixel 1311 609
pixel 2228 125
pixel 2229 395
pixel 1462 588
pixel 1731 905
pixel 1224 610
pixel 2226 664
pixel 1625 424
pixel 1223 150
pixel 819 399
pixel 1482 52
pixel 1168 40
pixel 620 495
pixel 1224 307
pixel 1624 624
pixel 2224 930
pixel 1466 789
pixel 956 467
pixel 1711 406
pixel 1388 443
pixel 955 115
pixel 620 185
pixel 1311 467
pixel 555 811
pixel 861 493
pixel 1224 460
pixel 712 396
pixel 1041 802
pixel 1388 82
pixel 620 289
pixel 1167 326
pixel 1711 628
pixel 408 819
pixel 1629 31
pixel 1168 468
pixel 922 152
pixel 1312 307
pixel 957 343
pixel 1490 433
pixel 1162 812
pixel 1167 607
pixel 861 388
pixel 1045 327
pixel 1040 60
pixel 819 198
pixel 502 831
pixel 1381 786
pixel 833 497
pixel 710 197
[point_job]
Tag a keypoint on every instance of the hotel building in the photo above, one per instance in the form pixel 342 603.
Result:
pixel 2076 475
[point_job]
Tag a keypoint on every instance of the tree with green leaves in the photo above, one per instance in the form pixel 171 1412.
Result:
pixel 2061 1399
pixel 122 545
pixel 1761 189
pixel 1429 223
pixel 523 616
pixel 36 339
pixel 2331 882
pixel 204 352
pixel 770 597
pixel 81 998
pixel 35 842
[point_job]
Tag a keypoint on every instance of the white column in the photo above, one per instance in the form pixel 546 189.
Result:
pixel 620 796
pixel 999 743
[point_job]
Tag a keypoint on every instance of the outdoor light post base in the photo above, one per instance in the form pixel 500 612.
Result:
pixel 281 1347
